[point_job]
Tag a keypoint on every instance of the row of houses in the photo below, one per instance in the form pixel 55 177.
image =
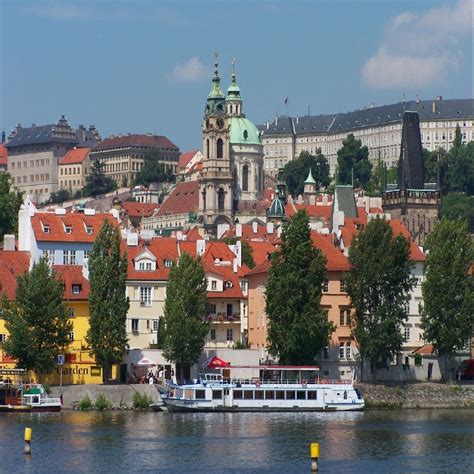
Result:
pixel 235 293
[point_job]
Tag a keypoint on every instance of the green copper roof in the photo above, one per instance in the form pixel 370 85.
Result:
pixel 216 91
pixel 243 131
pixel 310 179
pixel 277 209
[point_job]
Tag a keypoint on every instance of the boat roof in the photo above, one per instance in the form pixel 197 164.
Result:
pixel 275 367
pixel 12 371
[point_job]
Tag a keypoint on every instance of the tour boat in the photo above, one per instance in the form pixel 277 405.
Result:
pixel 214 393
pixel 16 396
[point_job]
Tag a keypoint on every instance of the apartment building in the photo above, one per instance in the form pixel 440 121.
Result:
pixel 74 168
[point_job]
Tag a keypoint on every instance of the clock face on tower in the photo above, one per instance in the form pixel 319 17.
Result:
pixel 220 122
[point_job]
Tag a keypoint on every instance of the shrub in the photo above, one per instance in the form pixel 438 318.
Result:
pixel 85 404
pixel 102 403
pixel 141 402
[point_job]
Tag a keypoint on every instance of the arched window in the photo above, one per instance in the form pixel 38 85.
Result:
pixel 220 199
pixel 231 109
pixel 220 148
pixel 207 148
pixel 204 200
pixel 245 178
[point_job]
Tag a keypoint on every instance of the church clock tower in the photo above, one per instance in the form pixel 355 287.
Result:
pixel 215 182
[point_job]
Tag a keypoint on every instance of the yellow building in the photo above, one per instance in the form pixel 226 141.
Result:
pixel 74 167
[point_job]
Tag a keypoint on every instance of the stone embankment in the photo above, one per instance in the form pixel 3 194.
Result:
pixel 417 395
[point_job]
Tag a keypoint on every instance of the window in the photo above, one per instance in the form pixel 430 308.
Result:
pixel 3 338
pixel 168 263
pixel 325 285
pixel 341 350
pixel 269 395
pixel 407 334
pixel 220 199
pixel 155 325
pixel 290 394
pixel 301 395
pixel 213 308
pixel 89 230
pixel 49 255
pixel 230 335
pixel 259 394
pixel 245 178
pixel 213 285
pixel 213 334
pixel 71 312
pixel 46 229
pixel 69 257
pixel 76 289
pixel 68 229
pixel 217 394
pixel 145 295
pixel 134 325
pixel 244 285
pixel 237 394
pixel 343 316
pixel 280 394
pixel 348 351
pixel 86 254
pixel 220 148
pixel 343 285
pixel 200 395
pixel 71 336
pixel 248 394
pixel 312 394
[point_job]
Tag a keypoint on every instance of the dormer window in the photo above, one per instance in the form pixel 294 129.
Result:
pixel 89 229
pixel 46 229
pixel 228 284
pixel 213 285
pixel 76 289
pixel 168 263
pixel 68 229
pixel 145 266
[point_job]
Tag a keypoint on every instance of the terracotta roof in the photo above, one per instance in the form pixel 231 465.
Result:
pixel 56 224
pixel 185 158
pixel 163 248
pixel 249 234
pixel 196 167
pixel 313 210
pixel 335 259
pixel 76 155
pixel 192 234
pixel 184 198
pixel 12 264
pixel 262 267
pixel 255 206
pixel 261 250
pixel 3 155
pixel 124 141
pixel 72 276
pixel 139 209
pixel 425 349
pixel 399 228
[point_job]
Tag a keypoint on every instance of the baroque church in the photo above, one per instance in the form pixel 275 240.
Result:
pixel 231 182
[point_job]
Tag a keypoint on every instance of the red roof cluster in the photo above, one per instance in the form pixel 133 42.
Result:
pixel 12 264
pixel 185 158
pixel 76 287
pixel 135 140
pixel 3 155
pixel 248 233
pixel 75 156
pixel 139 209
pixel 183 198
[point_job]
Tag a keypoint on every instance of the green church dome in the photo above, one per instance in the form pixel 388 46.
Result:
pixel 243 131
pixel 277 209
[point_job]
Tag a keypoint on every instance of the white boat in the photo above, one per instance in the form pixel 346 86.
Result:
pixel 214 393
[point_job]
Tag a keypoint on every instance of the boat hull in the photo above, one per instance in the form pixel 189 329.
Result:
pixel 29 409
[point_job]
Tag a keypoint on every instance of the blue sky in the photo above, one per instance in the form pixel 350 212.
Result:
pixel 145 66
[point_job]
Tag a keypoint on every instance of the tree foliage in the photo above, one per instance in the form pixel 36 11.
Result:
pixel 10 203
pixel 153 171
pixel 60 196
pixel 296 171
pixel 458 206
pixel 447 312
pixel 36 321
pixel 353 158
pixel 247 250
pixel 183 322
pixel 97 182
pixel 297 326
pixel 108 303
pixel 378 285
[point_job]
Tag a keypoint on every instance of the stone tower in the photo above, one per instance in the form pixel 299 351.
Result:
pixel 215 182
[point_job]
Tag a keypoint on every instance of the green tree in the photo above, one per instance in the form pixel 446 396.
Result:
pixel 458 206
pixel 247 250
pixel 296 171
pixel 97 182
pixel 353 158
pixel 183 322
pixel 457 142
pixel 153 171
pixel 297 326
pixel 108 303
pixel 59 196
pixel 10 203
pixel 378 285
pixel 447 311
pixel 36 321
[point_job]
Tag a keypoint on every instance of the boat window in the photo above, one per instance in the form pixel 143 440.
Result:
pixel 248 394
pixel 270 395
pixel 312 394
pixel 237 394
pixel 301 395
pixel 290 395
pixel 280 394
pixel 345 395
pixel 217 394
pixel 200 395
pixel 259 394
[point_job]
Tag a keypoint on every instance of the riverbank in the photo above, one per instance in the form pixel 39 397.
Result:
pixel 417 395
pixel 380 395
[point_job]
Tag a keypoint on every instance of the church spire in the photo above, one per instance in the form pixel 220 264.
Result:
pixel 216 91
pixel 233 99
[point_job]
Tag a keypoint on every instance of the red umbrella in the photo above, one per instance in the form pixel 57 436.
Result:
pixel 217 362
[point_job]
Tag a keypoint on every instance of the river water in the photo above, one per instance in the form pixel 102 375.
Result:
pixel 115 442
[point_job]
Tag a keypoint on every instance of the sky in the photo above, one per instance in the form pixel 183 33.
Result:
pixel 145 66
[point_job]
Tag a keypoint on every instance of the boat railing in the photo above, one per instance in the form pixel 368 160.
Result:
pixel 257 381
pixel 50 401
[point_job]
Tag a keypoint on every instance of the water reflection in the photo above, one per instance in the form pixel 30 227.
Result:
pixel 374 441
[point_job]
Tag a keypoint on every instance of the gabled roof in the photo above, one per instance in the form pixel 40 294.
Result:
pixel 139 209
pixel 135 140
pixel 183 198
pixel 12 264
pixel 398 227
pixel 248 233
pixel 57 226
pixel 261 250
pixel 186 157
pixel 74 156
pixel 71 275
pixel 335 259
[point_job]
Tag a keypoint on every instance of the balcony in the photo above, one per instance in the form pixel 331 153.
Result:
pixel 223 318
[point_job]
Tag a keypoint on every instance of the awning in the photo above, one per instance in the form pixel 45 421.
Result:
pixel 145 362
pixel 216 362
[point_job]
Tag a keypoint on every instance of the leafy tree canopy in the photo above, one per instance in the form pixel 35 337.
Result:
pixel 97 182
pixel 352 157
pixel 10 203
pixel 247 250
pixel 108 303
pixel 459 206
pixel 298 328
pixel 183 322
pixel 60 196
pixel 153 171
pixel 296 171
pixel 447 314
pixel 37 322
pixel 378 285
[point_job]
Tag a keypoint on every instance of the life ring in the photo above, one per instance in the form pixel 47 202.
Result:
pixel 27 388
pixel 304 383
pixel 257 383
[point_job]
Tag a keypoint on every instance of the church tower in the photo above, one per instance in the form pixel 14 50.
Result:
pixel 215 182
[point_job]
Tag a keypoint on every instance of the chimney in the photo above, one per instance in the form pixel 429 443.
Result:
pixel 325 199
pixel 433 107
pixel 269 227
pixel 297 120
pixel 4 137
pixel 9 243
pixel 238 230
pixel 254 227
pixel 234 265
pixel 200 247
pixel 439 97
pixel 268 125
pixel 312 200
pixel 367 204
pixel 372 105
pixel 276 120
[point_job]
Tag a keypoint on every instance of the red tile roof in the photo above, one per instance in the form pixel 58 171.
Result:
pixel 183 198
pixel 399 228
pixel 249 234
pixel 425 349
pixel 192 234
pixel 262 267
pixel 261 250
pixel 335 259
pixel 72 275
pixel 74 156
pixel 186 157
pixel 12 264
pixel 3 155
pixel 124 141
pixel 78 222
pixel 139 209
pixel 313 210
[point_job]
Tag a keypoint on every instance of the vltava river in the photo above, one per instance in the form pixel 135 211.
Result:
pixel 115 442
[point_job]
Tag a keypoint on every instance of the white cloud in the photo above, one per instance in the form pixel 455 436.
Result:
pixel 419 48
pixel 192 70
pixel 62 11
